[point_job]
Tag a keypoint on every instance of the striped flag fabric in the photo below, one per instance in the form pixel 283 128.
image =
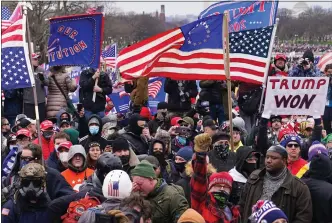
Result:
pixel 153 89
pixel 15 62
pixel 325 60
pixel 195 51
pixel 113 189
pixel 5 15
pixel 93 10
pixel 108 55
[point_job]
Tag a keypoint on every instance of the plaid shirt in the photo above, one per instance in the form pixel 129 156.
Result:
pixel 200 200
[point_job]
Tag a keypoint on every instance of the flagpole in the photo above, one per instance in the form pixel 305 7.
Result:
pixel 25 11
pixel 228 76
pixel 266 74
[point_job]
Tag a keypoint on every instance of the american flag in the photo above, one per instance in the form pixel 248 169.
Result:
pixel 109 55
pixel 15 62
pixel 153 89
pixel 195 51
pixel 113 189
pixel 93 10
pixel 325 60
pixel 5 15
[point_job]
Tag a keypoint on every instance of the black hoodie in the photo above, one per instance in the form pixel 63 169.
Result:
pixel 85 141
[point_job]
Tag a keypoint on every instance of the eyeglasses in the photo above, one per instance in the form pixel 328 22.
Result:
pixel 293 145
pixel 27 158
pixel 5 124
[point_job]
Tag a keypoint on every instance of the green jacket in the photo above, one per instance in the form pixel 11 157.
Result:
pixel 168 202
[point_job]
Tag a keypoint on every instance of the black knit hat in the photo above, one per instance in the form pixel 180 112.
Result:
pixel 162 105
pixel 308 54
pixel 120 144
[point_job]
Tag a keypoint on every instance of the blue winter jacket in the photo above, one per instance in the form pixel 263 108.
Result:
pixel 9 214
pixel 298 71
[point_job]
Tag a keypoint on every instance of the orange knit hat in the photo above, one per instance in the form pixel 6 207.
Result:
pixel 190 215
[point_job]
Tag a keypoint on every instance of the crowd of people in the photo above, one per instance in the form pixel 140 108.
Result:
pixel 178 165
pixel 288 47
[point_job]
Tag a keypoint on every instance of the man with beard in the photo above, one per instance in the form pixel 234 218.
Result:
pixel 273 132
pixel 279 67
pixel 30 202
pixel 247 160
pixel 276 183
pixel 121 149
pixel 133 134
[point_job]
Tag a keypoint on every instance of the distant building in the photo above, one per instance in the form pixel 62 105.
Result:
pixel 299 8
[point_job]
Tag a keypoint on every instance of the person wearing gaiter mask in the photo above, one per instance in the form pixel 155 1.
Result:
pixel 178 165
pixel 77 171
pixel 30 202
pixel 46 128
pixel 127 156
pixel 133 134
pixel 95 130
pixel 209 197
pixel 221 156
pixel 247 160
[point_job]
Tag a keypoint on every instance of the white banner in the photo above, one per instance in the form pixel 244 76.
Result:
pixel 296 95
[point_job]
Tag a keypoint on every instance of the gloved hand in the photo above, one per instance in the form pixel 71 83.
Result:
pixel 119 215
pixel 202 142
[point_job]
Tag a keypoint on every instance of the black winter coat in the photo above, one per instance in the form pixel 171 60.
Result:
pixel 138 144
pixel 174 99
pixel 55 163
pixel 87 83
pixel 211 91
pixel 185 184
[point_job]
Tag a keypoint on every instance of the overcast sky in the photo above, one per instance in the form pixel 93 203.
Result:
pixel 186 8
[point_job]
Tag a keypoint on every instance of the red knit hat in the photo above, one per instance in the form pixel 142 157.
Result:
pixel 145 113
pixel 221 178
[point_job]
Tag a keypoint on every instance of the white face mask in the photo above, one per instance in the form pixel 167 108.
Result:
pixel 63 157
pixel 56 147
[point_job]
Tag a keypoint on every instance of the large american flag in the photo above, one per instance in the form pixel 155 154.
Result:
pixel 153 89
pixel 109 55
pixel 195 51
pixel 5 15
pixel 15 62
pixel 325 60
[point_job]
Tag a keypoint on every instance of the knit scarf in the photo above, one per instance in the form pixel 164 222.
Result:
pixel 271 184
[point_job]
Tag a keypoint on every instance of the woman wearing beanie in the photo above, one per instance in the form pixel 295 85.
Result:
pixel 210 197
pixel 93 154
pixel 267 212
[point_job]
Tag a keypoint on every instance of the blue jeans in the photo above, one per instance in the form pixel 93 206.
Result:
pixel 88 113
pixel 217 113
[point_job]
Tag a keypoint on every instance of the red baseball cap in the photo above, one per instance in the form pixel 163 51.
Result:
pixel 35 55
pixel 221 178
pixel 280 56
pixel 23 132
pixel 45 125
pixel 175 121
pixel 66 145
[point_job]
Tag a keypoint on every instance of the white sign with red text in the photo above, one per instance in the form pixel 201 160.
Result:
pixel 296 96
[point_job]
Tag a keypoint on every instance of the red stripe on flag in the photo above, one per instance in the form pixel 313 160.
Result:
pixel 12 38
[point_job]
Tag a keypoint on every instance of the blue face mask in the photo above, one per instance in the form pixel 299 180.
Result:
pixel 181 140
pixel 94 129
pixel 23 163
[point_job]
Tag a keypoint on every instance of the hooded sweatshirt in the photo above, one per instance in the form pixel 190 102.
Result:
pixel 85 141
pixel 74 176
pixel 239 173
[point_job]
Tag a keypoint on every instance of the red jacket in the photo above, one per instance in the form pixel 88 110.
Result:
pixel 295 166
pixel 199 196
pixel 47 146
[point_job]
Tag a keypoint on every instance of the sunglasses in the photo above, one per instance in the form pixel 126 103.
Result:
pixel 293 145
pixel 37 183
pixel 184 125
pixel 27 158
pixel 5 124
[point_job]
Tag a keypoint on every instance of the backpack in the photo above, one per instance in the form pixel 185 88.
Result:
pixel 76 208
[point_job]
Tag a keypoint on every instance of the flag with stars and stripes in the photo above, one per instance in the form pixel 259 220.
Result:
pixel 109 55
pixel 195 52
pixel 16 69
pixel 153 88
pixel 5 15
pixel 324 60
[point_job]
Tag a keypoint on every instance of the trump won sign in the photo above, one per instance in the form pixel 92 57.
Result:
pixel 296 96
pixel 75 40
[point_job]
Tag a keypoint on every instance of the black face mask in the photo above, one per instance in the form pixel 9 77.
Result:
pixel 47 135
pixel 222 151
pixel 221 198
pixel 124 159
pixel 248 168
pixel 180 166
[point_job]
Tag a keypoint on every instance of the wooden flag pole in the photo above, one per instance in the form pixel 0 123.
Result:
pixel 266 74
pixel 25 11
pixel 228 76
pixel 103 68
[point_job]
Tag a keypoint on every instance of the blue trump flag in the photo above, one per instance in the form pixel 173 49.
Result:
pixel 75 40
pixel 245 15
